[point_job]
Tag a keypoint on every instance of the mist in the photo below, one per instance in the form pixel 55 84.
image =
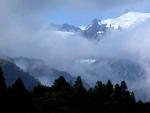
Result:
pixel 24 33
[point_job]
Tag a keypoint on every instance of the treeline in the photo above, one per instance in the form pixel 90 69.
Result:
pixel 64 97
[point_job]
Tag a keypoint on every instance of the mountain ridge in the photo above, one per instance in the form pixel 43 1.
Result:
pixel 98 28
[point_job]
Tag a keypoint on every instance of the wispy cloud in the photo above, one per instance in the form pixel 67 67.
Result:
pixel 21 34
pixel 100 5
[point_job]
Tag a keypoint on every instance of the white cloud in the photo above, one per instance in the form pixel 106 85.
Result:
pixel 22 35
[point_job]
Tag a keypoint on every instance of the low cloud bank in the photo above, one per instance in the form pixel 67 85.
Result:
pixel 22 34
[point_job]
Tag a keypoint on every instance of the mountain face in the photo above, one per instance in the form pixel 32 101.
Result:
pixel 98 28
pixel 65 27
pixel 39 70
pixel 95 29
pixel 13 72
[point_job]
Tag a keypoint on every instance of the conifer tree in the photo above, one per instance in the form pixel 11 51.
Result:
pixel 99 91
pixel 124 86
pixel 61 84
pixel 79 87
pixel 20 98
pixel 109 89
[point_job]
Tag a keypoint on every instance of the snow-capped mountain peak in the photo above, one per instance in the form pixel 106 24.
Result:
pixel 126 20
pixel 98 28
pixel 95 22
pixel 94 29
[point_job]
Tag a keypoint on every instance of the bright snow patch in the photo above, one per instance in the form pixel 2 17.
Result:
pixel 100 32
pixel 87 61
pixel 82 27
pixel 126 20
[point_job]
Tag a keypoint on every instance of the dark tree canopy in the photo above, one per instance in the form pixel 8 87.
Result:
pixel 78 86
pixel 63 97
pixel 2 83
pixel 123 85
pixel 61 84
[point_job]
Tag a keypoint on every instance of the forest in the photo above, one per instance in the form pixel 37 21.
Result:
pixel 68 97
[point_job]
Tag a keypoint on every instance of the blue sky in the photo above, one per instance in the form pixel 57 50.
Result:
pixel 81 13
pixel 77 18
pixel 82 18
pixel 77 12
